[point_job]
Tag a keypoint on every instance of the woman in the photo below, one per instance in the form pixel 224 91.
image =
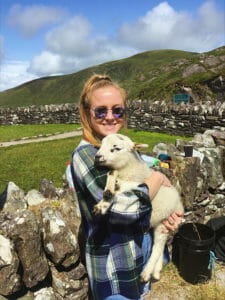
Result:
pixel 119 244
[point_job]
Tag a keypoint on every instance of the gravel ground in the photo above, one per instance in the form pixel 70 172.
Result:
pixel 172 287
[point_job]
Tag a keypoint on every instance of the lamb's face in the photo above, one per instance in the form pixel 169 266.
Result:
pixel 114 151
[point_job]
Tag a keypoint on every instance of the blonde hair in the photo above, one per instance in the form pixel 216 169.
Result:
pixel 93 83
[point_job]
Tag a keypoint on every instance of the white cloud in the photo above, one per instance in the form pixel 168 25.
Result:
pixel 29 19
pixel 14 73
pixel 71 38
pixel 71 48
pixel 48 63
pixel 163 28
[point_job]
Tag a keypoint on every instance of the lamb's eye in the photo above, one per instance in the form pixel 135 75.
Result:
pixel 117 148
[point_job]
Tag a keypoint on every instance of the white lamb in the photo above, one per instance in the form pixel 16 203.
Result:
pixel 127 171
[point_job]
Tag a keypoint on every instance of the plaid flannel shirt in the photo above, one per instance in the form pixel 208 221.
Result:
pixel 114 248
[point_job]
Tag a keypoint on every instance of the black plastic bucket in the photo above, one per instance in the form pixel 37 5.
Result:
pixel 188 150
pixel 194 243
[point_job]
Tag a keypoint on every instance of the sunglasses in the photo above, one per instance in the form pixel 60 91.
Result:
pixel 101 112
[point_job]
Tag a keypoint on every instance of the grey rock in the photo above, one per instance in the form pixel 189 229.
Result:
pixel 212 162
pixel 165 148
pixel 33 197
pixel 72 284
pixel 12 199
pixel 212 61
pixel 193 69
pixel 45 294
pixel 59 241
pixel 23 229
pixel 187 171
pixel 10 280
pixel 204 139
pixel 47 189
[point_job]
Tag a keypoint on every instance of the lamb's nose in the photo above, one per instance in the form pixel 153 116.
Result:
pixel 98 158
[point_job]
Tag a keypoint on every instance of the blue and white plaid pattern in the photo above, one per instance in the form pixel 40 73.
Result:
pixel 114 242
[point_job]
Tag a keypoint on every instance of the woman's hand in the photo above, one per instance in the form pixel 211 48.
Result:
pixel 173 222
pixel 154 181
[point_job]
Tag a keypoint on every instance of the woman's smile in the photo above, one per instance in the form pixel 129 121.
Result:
pixel 108 97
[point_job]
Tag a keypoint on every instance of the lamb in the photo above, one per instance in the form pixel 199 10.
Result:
pixel 127 171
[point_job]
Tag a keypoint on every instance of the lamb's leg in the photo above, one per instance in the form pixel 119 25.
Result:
pixel 154 265
pixel 158 267
pixel 102 207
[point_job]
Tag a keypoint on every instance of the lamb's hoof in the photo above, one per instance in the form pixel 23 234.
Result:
pixel 145 277
pixel 108 195
pixel 101 208
pixel 156 276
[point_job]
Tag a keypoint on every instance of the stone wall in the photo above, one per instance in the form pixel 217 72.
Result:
pixel 177 119
pixel 45 114
pixel 40 257
pixel 41 252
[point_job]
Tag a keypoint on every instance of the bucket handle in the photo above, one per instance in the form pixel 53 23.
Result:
pixel 212 264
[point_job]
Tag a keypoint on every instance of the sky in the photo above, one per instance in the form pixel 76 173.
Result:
pixel 40 38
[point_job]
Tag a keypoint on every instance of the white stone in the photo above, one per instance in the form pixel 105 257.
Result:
pixel 50 247
pixel 73 239
pixel 205 202
pixel 5 251
pixel 44 294
pixel 34 197
pixel 54 228
pixel 60 222
pixel 20 221
pixel 11 187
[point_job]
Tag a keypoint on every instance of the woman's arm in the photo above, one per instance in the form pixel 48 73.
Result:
pixel 154 182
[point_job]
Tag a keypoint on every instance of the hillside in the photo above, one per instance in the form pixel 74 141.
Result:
pixel 153 75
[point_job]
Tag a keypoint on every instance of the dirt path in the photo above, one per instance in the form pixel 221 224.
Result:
pixel 41 139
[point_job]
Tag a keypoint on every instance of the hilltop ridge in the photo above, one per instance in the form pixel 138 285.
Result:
pixel 153 75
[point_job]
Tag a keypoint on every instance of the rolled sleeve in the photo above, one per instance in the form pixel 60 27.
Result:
pixel 130 207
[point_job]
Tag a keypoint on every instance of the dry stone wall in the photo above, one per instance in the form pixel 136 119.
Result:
pixel 178 119
pixel 40 257
pixel 45 114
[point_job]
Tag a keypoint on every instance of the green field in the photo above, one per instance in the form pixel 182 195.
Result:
pixel 27 164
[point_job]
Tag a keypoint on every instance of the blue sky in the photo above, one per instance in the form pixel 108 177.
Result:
pixel 54 37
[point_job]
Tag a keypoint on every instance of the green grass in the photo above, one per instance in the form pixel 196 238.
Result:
pixel 27 164
pixel 16 132
pixel 152 138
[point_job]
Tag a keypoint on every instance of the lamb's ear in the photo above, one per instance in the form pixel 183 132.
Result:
pixel 140 146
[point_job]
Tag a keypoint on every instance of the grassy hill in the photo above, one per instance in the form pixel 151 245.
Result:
pixel 153 75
